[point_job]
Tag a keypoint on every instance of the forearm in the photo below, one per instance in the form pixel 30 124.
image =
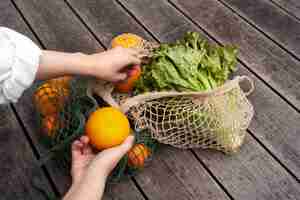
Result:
pixel 90 187
pixel 54 64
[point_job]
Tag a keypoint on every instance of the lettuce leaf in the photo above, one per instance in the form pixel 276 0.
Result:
pixel 189 64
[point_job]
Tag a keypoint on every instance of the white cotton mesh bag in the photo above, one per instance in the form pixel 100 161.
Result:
pixel 215 119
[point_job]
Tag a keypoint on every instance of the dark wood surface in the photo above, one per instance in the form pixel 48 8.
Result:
pixel 291 6
pixel 266 108
pixel 267 34
pixel 272 64
pixel 39 13
pixel 270 20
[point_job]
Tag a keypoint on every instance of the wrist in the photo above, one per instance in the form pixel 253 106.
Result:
pixel 80 64
pixel 98 169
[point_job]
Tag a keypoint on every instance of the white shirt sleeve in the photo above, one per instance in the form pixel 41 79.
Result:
pixel 19 60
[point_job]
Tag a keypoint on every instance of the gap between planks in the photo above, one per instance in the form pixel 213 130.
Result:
pixel 97 38
pixel 274 90
pixel 104 47
pixel 258 29
pixel 157 40
pixel 242 63
pixel 285 10
pixel 140 23
pixel 34 149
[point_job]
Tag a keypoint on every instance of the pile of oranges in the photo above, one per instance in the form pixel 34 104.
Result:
pixel 49 99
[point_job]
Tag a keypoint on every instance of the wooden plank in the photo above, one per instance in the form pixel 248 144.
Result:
pixel 18 168
pixel 17 158
pixel 264 100
pixel 270 62
pixel 13 20
pixel 271 20
pixel 182 169
pixel 177 168
pixel 61 31
pixel 251 174
pixel 265 115
pixel 260 55
pixel 291 6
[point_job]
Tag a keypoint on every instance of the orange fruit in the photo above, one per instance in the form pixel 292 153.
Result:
pixel 137 155
pixel 107 127
pixel 127 40
pixel 50 125
pixel 128 84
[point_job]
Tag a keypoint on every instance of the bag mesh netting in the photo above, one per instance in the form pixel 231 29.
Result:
pixel 217 119
pixel 63 105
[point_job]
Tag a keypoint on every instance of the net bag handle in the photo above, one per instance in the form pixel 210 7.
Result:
pixel 250 82
pixel 133 101
pixel 105 89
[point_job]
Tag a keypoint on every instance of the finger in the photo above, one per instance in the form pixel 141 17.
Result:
pixel 140 56
pixel 116 153
pixel 137 51
pixel 84 139
pixel 126 145
pixel 76 149
pixel 120 77
pixel 143 52
pixel 133 51
pixel 87 149
pixel 76 145
pixel 135 60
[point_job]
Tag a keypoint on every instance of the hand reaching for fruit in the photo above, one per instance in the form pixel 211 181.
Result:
pixel 108 65
pixel 112 64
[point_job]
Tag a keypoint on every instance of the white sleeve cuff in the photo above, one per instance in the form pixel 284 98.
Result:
pixel 18 64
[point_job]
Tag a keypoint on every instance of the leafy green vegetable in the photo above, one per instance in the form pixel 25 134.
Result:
pixel 190 64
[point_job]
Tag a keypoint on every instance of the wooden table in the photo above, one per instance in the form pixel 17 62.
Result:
pixel 267 33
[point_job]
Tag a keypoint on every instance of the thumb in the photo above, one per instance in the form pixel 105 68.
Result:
pixel 122 149
pixel 127 144
pixel 116 153
pixel 109 158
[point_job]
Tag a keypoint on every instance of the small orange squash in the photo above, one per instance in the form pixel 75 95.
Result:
pixel 137 155
pixel 50 97
pixel 50 124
